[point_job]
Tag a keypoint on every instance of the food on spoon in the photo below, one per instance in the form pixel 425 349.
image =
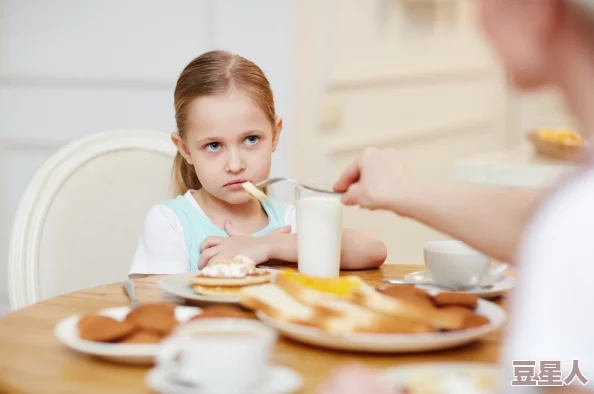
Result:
pixel 253 191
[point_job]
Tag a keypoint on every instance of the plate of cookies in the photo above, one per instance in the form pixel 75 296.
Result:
pixel 347 314
pixel 124 334
pixel 219 282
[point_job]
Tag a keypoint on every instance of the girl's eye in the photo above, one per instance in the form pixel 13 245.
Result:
pixel 252 140
pixel 213 146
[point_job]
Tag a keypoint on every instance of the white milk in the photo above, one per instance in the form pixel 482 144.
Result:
pixel 319 233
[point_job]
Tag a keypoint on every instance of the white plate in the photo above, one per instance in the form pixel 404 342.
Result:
pixel 398 377
pixel 131 353
pixel 179 285
pixel 390 343
pixel 501 285
pixel 282 380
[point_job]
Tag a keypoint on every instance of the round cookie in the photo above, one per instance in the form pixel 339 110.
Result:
pixel 158 317
pixel 459 309
pixel 409 294
pixel 405 290
pixel 103 329
pixel 143 336
pixel 475 320
pixel 221 311
pixel 471 319
pixel 455 299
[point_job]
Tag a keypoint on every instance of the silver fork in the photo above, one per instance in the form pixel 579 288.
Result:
pixel 270 181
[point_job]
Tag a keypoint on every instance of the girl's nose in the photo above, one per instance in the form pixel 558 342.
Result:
pixel 234 163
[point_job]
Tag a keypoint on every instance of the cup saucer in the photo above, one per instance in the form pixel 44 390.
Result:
pixel 281 380
pixel 501 284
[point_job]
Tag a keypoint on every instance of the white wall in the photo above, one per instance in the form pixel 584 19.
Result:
pixel 70 68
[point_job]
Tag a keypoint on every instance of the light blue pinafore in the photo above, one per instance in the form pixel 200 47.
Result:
pixel 197 226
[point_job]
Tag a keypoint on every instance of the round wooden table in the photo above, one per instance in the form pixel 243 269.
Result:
pixel 32 359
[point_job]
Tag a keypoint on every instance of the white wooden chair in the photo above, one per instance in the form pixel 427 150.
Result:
pixel 80 218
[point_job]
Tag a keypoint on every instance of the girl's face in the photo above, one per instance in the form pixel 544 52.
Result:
pixel 229 140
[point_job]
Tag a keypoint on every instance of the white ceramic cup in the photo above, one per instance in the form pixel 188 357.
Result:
pixel 319 233
pixel 219 355
pixel 454 264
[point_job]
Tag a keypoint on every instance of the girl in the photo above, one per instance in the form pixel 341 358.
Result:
pixel 227 129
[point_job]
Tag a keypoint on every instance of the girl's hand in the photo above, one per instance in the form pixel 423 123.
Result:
pixel 238 243
pixel 354 380
pixel 376 180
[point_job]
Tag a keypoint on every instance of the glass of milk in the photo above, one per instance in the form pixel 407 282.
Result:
pixel 319 232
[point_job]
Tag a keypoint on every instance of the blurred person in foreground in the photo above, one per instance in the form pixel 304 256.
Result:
pixel 550 235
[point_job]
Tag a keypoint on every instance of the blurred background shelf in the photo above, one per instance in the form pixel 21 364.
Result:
pixel 514 167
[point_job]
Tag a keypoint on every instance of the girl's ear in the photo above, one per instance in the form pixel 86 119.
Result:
pixel 278 128
pixel 181 146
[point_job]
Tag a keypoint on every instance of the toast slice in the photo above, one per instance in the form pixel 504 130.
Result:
pixel 344 317
pixel 334 313
pixel 276 303
pixel 368 297
pixel 307 289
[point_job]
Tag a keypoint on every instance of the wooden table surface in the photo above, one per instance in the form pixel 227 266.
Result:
pixel 32 359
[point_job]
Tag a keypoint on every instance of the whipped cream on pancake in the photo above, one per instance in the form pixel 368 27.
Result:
pixel 237 267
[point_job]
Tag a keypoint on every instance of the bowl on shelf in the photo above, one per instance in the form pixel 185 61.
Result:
pixel 560 144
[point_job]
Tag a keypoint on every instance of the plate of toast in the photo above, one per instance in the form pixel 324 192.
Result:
pixel 124 334
pixel 219 282
pixel 347 314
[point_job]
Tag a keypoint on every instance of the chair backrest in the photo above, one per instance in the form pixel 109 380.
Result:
pixel 79 221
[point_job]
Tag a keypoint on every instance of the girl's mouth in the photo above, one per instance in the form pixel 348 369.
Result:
pixel 235 185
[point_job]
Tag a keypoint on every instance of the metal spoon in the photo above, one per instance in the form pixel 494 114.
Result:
pixel 405 282
pixel 130 292
pixel 270 181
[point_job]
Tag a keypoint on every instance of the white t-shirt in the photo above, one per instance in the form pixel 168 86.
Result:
pixel 552 307
pixel 162 246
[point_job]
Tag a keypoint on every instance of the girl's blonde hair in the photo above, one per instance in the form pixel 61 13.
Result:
pixel 213 73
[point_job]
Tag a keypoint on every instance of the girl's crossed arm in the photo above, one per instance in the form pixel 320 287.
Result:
pixel 359 249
